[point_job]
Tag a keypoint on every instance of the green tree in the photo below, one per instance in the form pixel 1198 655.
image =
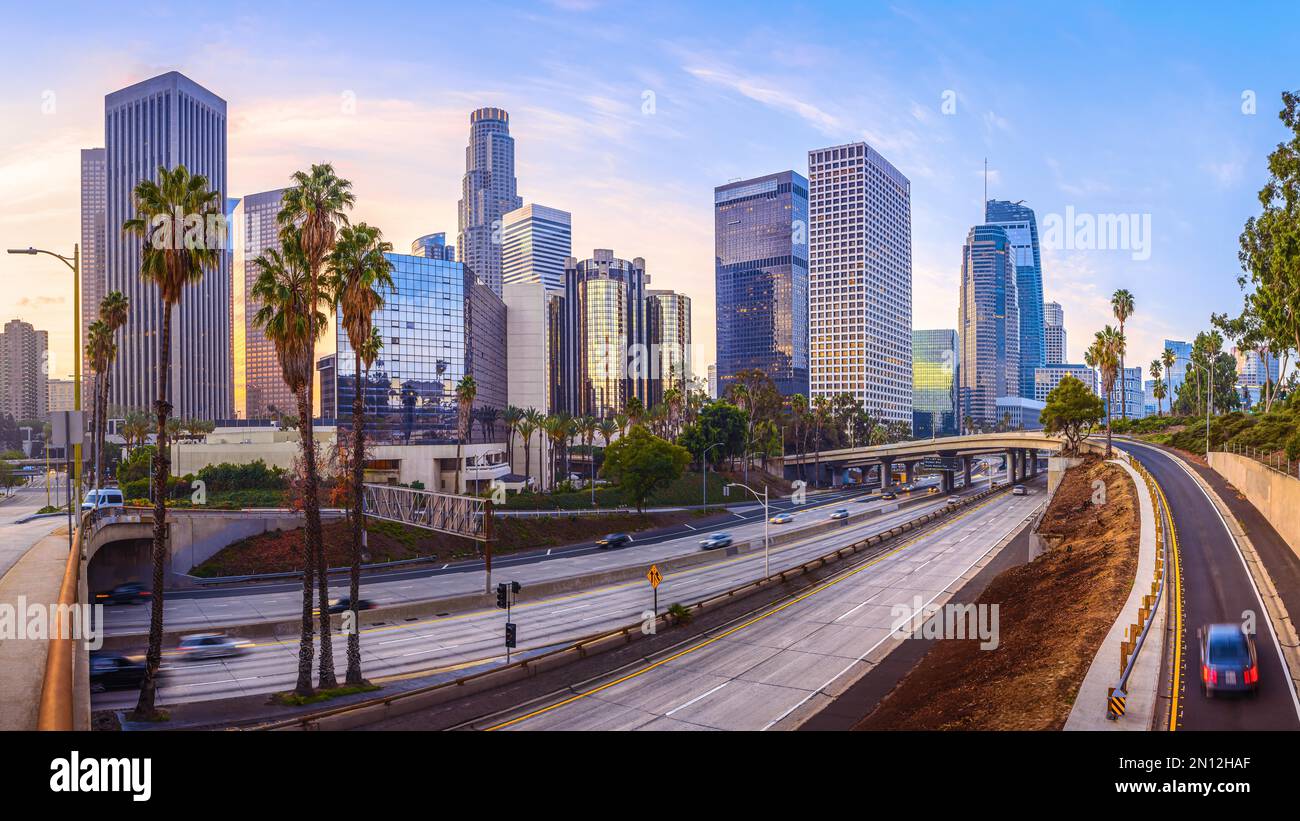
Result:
pixel 641 463
pixel 168 263
pixel 1071 411
pixel 466 392
pixel 716 422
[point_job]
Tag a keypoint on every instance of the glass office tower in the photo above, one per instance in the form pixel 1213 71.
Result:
pixel 440 324
pixel 535 242
pixel 761 279
pixel 988 324
pixel 668 324
pixel 934 383
pixel 488 191
pixel 606 352
pixel 1054 348
pixel 1022 230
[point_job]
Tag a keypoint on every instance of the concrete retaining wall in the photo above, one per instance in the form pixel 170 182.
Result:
pixel 1275 495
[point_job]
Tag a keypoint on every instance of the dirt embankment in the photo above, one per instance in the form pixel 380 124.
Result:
pixel 1053 614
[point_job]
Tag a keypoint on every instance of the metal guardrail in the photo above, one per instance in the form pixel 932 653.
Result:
pixel 56 704
pixel 1269 459
pixel 608 639
pixel 1136 633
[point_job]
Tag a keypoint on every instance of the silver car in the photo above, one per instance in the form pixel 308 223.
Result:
pixel 212 645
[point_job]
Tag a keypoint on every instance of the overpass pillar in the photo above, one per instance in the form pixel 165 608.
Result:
pixel 1012 475
pixel 966 463
pixel 948 481
pixel 886 471
pixel 909 472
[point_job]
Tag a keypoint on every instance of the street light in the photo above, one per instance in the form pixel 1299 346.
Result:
pixel 704 474
pixel 74 263
pixel 1209 397
pixel 767 522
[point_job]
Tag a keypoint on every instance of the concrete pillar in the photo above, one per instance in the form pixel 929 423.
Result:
pixel 886 470
pixel 909 472
pixel 1012 475
pixel 966 463
pixel 948 481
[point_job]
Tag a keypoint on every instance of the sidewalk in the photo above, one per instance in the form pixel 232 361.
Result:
pixel 37 577
pixel 1089 711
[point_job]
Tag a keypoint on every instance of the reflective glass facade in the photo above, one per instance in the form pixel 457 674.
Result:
pixel 440 324
pixel 988 325
pixel 668 323
pixel 535 242
pixel 488 191
pixel 1022 230
pixel 934 383
pixel 761 279
pixel 605 353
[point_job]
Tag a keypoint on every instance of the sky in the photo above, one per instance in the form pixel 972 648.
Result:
pixel 628 115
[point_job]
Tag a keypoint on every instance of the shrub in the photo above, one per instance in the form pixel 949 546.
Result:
pixel 251 475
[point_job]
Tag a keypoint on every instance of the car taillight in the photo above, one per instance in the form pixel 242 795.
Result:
pixel 1209 675
pixel 1252 674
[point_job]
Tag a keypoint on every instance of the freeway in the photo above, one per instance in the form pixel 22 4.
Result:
pixel 1216 587
pixel 16 539
pixel 247 604
pixel 756 674
pixel 455 642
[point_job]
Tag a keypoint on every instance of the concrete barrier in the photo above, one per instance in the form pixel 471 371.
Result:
pixel 1274 494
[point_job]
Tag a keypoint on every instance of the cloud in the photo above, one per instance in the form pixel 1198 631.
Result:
pixel 766 92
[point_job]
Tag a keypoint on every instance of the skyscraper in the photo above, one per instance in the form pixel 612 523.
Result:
pixel 606 358
pixel 1182 359
pixel 259 384
pixel 988 324
pixel 1022 230
pixel 93 291
pixel 668 329
pixel 168 120
pixel 934 383
pixel 1047 377
pixel 487 193
pixel 1054 351
pixel 433 246
pixel 535 242
pixel 760 229
pixel 860 279
pixel 24 393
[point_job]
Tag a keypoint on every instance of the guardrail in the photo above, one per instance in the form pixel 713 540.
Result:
pixel 1269 459
pixel 594 644
pixel 56 705
pixel 1136 633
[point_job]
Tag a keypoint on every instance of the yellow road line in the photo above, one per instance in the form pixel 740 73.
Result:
pixel 1176 597
pixel 847 575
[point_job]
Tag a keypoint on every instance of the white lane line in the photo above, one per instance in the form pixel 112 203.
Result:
pixel 859 607
pixel 688 527
pixel 548 552
pixel 568 609
pixel 219 681
pixel 697 698
pixel 604 615
pixel 445 566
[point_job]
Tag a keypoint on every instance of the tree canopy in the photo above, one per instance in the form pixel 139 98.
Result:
pixel 1071 411
pixel 641 463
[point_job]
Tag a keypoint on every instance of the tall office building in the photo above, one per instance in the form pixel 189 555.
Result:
pixel 860 279
pixel 93 290
pixel 760 229
pixel 1253 368
pixel 168 120
pixel 934 383
pixel 988 324
pixel 668 332
pixel 1131 397
pixel 24 393
pixel 433 246
pixel 535 242
pixel 1022 230
pixel 259 385
pixel 60 395
pixel 487 193
pixel 1054 351
pixel 1182 359
pixel 606 356
pixel 1047 377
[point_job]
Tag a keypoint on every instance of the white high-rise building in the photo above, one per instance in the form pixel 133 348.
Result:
pixel 535 241
pixel 487 193
pixel 94 194
pixel 1053 333
pixel 860 279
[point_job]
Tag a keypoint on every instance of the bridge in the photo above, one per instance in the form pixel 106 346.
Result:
pixel 1020 448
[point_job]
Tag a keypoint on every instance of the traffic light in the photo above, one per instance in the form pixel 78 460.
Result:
pixel 502 600
pixel 515 588
pixel 510 634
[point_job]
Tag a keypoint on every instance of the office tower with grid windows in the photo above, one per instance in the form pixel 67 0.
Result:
pixel 934 382
pixel 860 279
pixel 1053 335
pixel 535 242
pixel 988 325
pixel 93 291
pixel 1021 227
pixel 488 192
pixel 260 390
pixel 668 328
pixel 168 120
pixel 606 356
pixel 24 392
pixel 760 230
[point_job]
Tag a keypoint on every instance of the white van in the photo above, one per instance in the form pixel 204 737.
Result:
pixel 108 497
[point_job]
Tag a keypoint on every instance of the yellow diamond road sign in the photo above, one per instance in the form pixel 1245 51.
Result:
pixel 654 576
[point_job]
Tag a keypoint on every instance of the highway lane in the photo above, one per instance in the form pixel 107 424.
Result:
pixel 257 603
pixel 456 642
pixel 1216 587
pixel 16 539
pixel 756 673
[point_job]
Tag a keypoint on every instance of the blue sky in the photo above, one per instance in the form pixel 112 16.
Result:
pixel 1095 108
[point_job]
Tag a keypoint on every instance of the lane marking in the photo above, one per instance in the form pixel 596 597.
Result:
pixel 697 698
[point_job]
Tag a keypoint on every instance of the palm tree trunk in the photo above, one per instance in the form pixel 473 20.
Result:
pixel 144 707
pixel 315 543
pixel 103 428
pixel 358 525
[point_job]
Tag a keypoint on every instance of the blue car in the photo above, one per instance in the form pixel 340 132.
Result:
pixel 1228 660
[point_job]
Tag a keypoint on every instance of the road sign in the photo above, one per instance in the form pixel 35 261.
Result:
pixel 654 576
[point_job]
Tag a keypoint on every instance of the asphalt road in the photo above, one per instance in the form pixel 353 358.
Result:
pixel 1216 587
pixel 215 609
pixel 755 674
pixel 451 644
pixel 16 539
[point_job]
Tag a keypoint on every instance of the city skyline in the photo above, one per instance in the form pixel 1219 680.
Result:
pixel 404 145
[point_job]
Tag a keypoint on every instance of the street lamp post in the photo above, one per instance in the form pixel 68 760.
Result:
pixel 73 263
pixel 767 523
pixel 1209 398
pixel 704 474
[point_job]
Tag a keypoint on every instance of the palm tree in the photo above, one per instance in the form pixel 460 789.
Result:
pixel 607 428
pixel 821 418
pixel 113 310
pixel 799 416
pixel 313 209
pixel 526 426
pixel 1121 302
pixel 1167 358
pixel 1106 350
pixel 536 419
pixel 511 416
pixel 622 420
pixel 466 390
pixel 587 426
pixel 1155 374
pixel 555 427
pixel 168 265
pixel 98 341
pixel 1158 391
pixel 292 323
pixel 359 274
